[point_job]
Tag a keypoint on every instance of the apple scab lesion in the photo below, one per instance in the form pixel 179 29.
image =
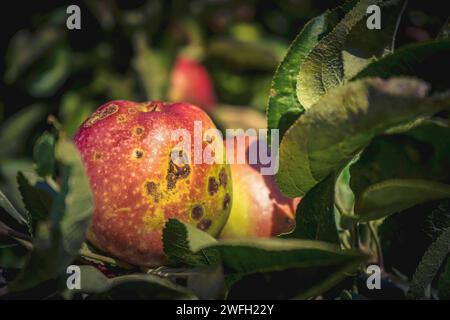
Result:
pixel 137 131
pixel 101 114
pixel 154 106
pixel 176 172
pixel 213 186
pixel 97 156
pixel 151 189
pixel 121 118
pixel 197 212
pixel 223 179
pixel 204 224
pixel 226 202
pixel 137 154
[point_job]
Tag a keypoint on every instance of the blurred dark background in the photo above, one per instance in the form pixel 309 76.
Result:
pixel 126 49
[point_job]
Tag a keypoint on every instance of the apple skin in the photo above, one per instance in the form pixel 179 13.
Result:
pixel 125 147
pixel 190 82
pixel 259 208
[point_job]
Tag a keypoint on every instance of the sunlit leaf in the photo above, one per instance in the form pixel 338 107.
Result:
pixel 344 121
pixel 348 48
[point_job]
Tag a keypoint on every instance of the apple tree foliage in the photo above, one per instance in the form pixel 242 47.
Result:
pixel 364 136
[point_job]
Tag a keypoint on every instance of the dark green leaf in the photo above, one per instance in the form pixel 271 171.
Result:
pixel 43 154
pixel 151 67
pixel 74 110
pixel 9 208
pixel 37 201
pixel 15 130
pixel 182 240
pixel 26 48
pixel 344 121
pixel 284 108
pixel 315 214
pixel 424 60
pixel 396 172
pixel 242 54
pixel 429 266
pixel 146 286
pixel 242 257
pixel 347 49
pixel 59 238
pixel 444 283
pixel 50 73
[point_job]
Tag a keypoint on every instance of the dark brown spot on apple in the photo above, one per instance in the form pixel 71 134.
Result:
pixel 223 179
pixel 197 212
pixel 138 153
pixel 226 201
pixel 138 131
pixel 121 118
pixel 213 187
pixel 97 156
pixel 132 110
pixel 176 172
pixel 204 224
pixel 151 189
pixel 156 106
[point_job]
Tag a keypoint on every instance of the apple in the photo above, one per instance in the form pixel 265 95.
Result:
pixel 126 149
pixel 259 208
pixel 190 82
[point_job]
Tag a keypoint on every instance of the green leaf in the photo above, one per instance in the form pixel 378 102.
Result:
pixel 181 240
pixel 59 238
pixel 391 196
pixel 43 154
pixel 147 286
pixel 75 109
pixel 241 257
pixel 151 68
pixel 315 214
pixel 9 208
pixel 396 172
pixel 51 72
pixel 284 108
pixel 15 130
pixel 444 283
pixel 261 55
pixel 207 282
pixel 247 256
pixel 347 49
pixel 26 48
pixel 343 122
pixel 429 266
pixel 37 201
pixel 424 60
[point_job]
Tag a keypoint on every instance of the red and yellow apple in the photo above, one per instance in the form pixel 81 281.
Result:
pixel 190 82
pixel 126 149
pixel 259 208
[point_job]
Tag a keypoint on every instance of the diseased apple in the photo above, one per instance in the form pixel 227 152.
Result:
pixel 126 148
pixel 190 82
pixel 259 208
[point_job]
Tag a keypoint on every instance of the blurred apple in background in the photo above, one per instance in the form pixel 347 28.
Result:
pixel 190 82
pixel 259 209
